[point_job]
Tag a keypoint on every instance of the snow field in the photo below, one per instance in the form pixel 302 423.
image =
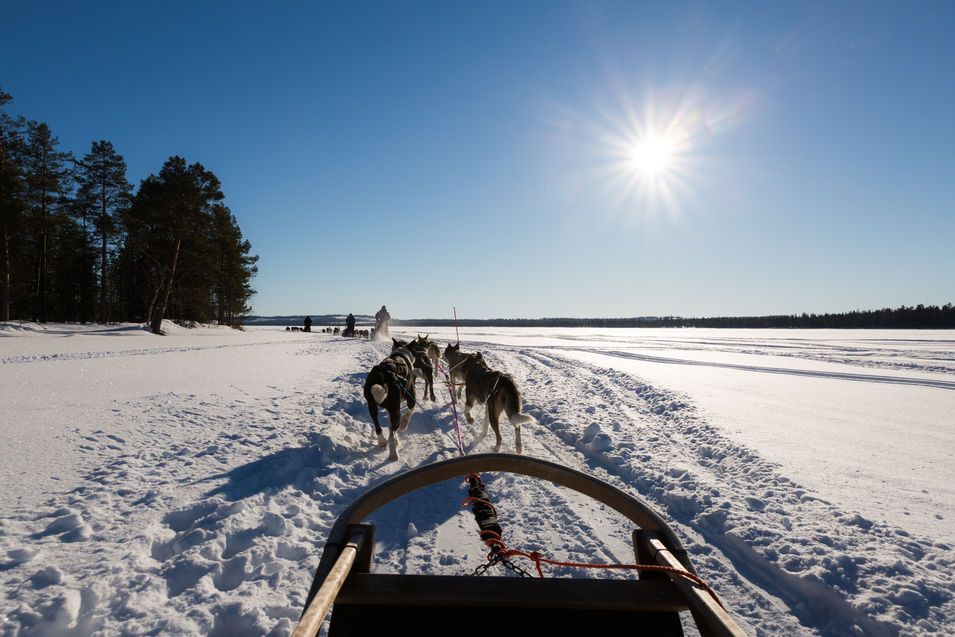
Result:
pixel 198 503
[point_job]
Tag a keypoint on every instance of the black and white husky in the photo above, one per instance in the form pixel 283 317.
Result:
pixel 388 383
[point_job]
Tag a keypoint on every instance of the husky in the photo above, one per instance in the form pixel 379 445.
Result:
pixel 456 358
pixel 495 389
pixel 432 351
pixel 388 383
pixel 422 365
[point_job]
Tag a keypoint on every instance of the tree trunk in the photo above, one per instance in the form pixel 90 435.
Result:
pixel 103 305
pixel 5 279
pixel 103 308
pixel 41 276
pixel 160 309
pixel 41 271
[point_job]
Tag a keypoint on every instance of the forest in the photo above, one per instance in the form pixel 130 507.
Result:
pixel 78 243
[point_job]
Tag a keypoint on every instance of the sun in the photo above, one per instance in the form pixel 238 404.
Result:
pixel 653 157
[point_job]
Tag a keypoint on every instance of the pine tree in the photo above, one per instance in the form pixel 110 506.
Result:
pixel 104 193
pixel 235 268
pixel 171 209
pixel 11 202
pixel 48 181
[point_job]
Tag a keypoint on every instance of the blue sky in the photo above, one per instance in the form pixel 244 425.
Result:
pixel 481 155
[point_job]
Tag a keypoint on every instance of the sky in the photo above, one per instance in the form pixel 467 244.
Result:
pixel 532 159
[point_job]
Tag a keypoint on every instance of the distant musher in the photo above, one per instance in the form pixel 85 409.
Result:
pixel 308 323
pixel 381 323
pixel 349 325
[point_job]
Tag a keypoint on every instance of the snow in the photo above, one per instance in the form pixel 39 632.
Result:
pixel 185 484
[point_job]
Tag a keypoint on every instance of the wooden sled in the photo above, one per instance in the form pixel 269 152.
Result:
pixel 376 604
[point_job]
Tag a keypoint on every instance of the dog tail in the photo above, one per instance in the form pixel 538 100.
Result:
pixel 379 393
pixel 514 405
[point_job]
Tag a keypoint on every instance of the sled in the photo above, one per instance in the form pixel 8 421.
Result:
pixel 367 603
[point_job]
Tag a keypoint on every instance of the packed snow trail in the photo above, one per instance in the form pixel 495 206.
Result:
pixel 205 512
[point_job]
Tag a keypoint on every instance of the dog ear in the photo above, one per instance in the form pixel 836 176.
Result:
pixel 395 342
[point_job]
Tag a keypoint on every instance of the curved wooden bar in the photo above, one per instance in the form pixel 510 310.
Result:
pixel 716 620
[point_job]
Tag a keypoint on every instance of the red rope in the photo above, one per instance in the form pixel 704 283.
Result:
pixel 499 549
pixel 454 408
pixel 538 559
pixel 469 501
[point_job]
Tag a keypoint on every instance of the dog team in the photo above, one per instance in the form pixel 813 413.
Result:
pixel 392 381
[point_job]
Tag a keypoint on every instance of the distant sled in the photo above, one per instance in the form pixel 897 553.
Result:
pixel 367 603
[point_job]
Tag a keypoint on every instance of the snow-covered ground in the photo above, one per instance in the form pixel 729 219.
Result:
pixel 185 484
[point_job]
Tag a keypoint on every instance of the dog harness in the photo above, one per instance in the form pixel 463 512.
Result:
pixel 405 355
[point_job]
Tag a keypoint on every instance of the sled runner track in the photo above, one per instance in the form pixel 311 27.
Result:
pixel 831 375
pixel 869 378
pixel 762 525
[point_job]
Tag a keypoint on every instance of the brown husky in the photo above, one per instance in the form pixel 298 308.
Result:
pixel 493 388
pixel 456 359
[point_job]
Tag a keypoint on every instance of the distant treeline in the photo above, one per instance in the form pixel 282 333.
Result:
pixel 919 316
pixel 77 243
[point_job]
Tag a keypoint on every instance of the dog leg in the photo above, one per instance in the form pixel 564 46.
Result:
pixel 406 419
pixel 411 402
pixel 518 447
pixel 373 410
pixel 494 415
pixel 393 446
pixel 468 404
pixel 394 421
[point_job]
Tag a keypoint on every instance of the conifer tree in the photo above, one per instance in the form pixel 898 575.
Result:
pixel 48 181
pixel 235 267
pixel 11 202
pixel 171 209
pixel 104 193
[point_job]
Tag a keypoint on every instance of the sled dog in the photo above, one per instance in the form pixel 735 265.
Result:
pixel 495 389
pixel 388 383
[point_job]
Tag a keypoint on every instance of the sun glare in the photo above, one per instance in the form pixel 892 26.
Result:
pixel 653 157
pixel 650 155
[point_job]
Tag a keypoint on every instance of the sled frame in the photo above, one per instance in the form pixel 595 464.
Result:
pixel 366 602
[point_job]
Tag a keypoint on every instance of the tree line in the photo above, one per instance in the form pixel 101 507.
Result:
pixel 78 244
pixel 915 317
